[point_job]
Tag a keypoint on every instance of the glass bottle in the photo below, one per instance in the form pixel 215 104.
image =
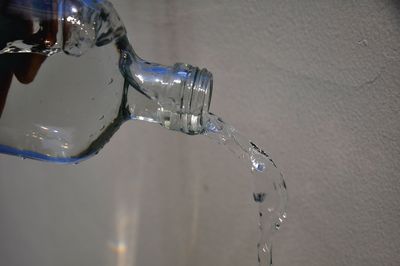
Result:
pixel 87 80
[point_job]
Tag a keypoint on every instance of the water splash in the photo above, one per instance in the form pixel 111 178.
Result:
pixel 269 186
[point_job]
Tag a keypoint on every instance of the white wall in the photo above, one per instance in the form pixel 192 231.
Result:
pixel 316 83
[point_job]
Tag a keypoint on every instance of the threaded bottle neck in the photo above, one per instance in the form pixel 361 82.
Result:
pixel 195 100
pixel 177 97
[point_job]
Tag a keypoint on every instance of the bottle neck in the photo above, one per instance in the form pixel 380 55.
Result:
pixel 177 97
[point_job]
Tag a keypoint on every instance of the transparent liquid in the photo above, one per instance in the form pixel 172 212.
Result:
pixel 77 103
pixel 69 111
pixel 269 186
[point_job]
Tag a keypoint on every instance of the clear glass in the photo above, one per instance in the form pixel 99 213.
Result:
pixel 90 82
pixel 72 78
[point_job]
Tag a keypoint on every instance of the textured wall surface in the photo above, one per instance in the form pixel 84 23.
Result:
pixel 316 83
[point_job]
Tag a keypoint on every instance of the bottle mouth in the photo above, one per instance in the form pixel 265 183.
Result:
pixel 196 101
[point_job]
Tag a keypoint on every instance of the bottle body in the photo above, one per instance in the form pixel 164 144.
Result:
pixel 92 81
pixel 69 105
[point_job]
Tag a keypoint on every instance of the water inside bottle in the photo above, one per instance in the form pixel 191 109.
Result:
pixel 269 185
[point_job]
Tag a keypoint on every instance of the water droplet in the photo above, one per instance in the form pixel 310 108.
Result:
pixel 265 249
pixel 259 197
pixel 258 166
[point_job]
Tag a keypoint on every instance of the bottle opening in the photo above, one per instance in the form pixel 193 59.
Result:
pixel 195 108
pixel 194 100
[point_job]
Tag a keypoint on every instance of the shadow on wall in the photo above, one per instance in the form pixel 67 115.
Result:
pixel 396 5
